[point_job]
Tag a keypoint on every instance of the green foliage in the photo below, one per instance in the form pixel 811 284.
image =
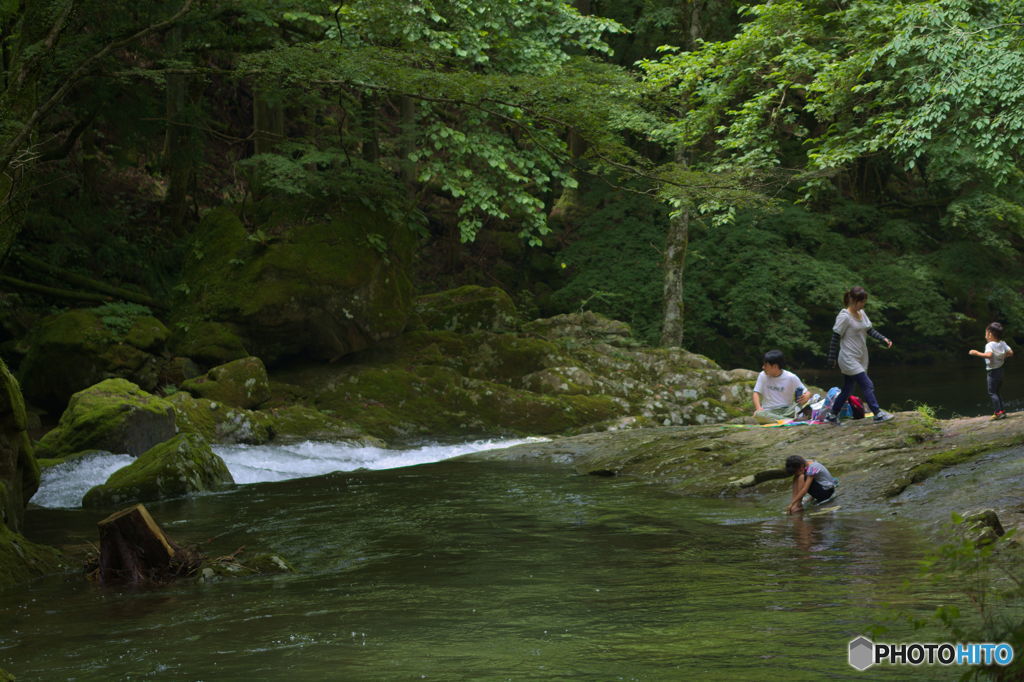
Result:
pixel 484 95
pixel 614 265
pixel 119 317
pixel 985 575
pixel 809 84
pixel 927 412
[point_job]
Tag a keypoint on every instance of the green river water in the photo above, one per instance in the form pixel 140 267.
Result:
pixel 481 570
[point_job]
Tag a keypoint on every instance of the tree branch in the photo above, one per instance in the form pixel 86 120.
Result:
pixel 88 283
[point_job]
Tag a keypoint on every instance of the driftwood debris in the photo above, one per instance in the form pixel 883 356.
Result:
pixel 135 550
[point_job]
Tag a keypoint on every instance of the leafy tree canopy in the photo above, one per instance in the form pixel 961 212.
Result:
pixel 480 95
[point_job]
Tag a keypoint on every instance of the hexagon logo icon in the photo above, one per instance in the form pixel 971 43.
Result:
pixel 862 653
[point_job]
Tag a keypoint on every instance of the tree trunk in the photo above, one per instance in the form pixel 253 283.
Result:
pixel 268 124
pixel 674 266
pixel 368 128
pixel 678 239
pixel 408 109
pixel 177 157
pixel 133 548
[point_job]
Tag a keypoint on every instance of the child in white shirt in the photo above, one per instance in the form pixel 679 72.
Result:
pixel 995 353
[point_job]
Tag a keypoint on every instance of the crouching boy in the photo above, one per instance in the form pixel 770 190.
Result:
pixel 809 477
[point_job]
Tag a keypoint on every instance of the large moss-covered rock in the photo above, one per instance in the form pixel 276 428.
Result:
pixel 467 309
pixel 300 423
pixel 206 342
pixel 19 472
pixel 317 289
pixel 240 383
pixel 570 374
pixel 20 559
pixel 73 350
pixel 220 423
pixel 114 415
pixel 180 466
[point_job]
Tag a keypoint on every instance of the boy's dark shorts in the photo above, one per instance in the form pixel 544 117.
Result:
pixel 819 492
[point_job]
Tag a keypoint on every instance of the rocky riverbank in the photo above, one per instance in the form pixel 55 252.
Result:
pixel 914 466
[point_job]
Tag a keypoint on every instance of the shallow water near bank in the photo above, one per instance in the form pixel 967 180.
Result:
pixel 480 570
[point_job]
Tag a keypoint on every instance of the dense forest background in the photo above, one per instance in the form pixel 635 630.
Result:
pixel 715 173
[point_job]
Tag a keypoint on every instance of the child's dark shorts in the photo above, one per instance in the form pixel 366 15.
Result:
pixel 819 492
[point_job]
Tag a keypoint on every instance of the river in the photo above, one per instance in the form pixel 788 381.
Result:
pixel 476 570
pixel 955 389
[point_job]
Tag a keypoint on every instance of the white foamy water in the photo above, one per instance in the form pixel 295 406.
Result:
pixel 64 484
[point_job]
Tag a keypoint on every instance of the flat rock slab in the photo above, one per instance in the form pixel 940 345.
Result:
pixel 881 466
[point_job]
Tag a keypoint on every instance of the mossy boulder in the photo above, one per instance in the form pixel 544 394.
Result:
pixel 114 415
pixel 208 343
pixel 20 559
pixel 218 422
pixel 300 423
pixel 19 472
pixel 180 466
pixel 319 290
pixel 240 383
pixel 567 375
pixel 467 309
pixel 72 350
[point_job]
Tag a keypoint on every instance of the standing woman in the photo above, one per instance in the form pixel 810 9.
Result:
pixel 849 340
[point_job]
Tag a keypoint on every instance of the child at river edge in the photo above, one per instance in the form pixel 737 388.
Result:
pixel 778 393
pixel 995 354
pixel 811 477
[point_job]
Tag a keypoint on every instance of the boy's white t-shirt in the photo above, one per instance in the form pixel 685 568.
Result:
pixel 777 391
pixel 998 349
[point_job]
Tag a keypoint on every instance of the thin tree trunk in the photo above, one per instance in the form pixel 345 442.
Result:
pixel 368 128
pixel 268 124
pixel 674 267
pixel 177 166
pixel 677 240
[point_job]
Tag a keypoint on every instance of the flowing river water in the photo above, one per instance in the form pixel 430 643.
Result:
pixel 453 569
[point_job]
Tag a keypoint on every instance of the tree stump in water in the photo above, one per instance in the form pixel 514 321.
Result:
pixel 134 549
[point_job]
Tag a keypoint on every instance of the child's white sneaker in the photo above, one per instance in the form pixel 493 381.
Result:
pixel 882 416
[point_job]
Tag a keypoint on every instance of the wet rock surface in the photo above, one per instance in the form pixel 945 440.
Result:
pixel 913 466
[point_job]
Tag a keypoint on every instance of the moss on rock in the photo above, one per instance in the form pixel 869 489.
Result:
pixel 319 290
pixel 78 348
pixel 447 384
pixel 206 342
pixel 220 423
pixel 180 466
pixel 22 560
pixel 467 309
pixel 19 471
pixel 114 415
pixel 240 383
pixel 299 423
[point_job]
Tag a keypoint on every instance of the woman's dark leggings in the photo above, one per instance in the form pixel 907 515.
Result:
pixel 867 389
pixel 994 379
